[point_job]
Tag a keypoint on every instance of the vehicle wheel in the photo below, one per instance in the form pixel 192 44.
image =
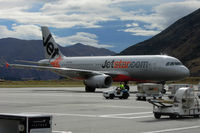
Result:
pixel 106 97
pixel 111 96
pixel 125 95
pixel 180 116
pixel 157 116
pixel 144 98
pixel 196 116
pixel 89 89
pixel 163 91
pixel 173 116
pixel 138 98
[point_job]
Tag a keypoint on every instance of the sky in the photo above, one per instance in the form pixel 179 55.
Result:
pixel 111 24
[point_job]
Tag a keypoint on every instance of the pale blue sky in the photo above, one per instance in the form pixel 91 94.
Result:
pixel 113 24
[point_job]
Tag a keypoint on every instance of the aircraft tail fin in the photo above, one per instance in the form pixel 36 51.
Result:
pixel 50 46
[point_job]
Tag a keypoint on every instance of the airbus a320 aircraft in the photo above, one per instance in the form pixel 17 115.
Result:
pixel 101 71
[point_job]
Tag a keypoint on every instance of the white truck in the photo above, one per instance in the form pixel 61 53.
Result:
pixel 146 90
pixel 118 93
pixel 184 103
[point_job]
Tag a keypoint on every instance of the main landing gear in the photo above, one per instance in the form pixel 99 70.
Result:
pixel 163 84
pixel 126 86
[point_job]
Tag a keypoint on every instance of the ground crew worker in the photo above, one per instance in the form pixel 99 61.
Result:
pixel 122 86
pixel 126 85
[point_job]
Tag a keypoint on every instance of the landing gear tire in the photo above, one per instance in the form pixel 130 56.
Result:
pixel 163 91
pixel 157 116
pixel 89 89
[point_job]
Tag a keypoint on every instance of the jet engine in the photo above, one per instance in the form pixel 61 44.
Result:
pixel 99 81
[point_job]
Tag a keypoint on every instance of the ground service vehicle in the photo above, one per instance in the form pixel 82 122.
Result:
pixel 184 103
pixel 116 93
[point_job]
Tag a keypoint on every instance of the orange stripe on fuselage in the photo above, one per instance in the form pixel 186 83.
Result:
pixel 56 62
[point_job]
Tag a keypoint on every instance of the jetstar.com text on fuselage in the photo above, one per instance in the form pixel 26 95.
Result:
pixel 125 64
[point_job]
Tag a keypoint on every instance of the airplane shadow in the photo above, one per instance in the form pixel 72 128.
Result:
pixel 70 91
pixel 65 91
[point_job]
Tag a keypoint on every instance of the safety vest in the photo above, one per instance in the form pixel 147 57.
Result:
pixel 122 86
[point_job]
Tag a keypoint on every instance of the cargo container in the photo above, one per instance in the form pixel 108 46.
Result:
pixel 172 88
pixel 146 90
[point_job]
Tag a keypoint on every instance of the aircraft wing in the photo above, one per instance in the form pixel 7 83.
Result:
pixel 30 62
pixel 63 71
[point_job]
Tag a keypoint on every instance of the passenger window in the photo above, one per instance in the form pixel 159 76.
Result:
pixel 172 63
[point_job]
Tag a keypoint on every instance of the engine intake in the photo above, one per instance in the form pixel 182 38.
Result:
pixel 99 81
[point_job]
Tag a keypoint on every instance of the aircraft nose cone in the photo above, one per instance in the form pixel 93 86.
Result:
pixel 185 72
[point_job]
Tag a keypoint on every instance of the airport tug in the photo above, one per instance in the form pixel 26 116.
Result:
pixel 184 103
pixel 116 93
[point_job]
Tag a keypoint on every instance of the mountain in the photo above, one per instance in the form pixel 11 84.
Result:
pixel 181 40
pixel 84 50
pixel 12 49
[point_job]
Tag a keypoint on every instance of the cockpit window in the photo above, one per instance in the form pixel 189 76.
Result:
pixel 173 63
pixel 178 63
pixel 167 64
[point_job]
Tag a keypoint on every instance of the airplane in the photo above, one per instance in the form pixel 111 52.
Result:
pixel 101 71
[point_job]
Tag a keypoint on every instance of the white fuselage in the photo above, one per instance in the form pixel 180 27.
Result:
pixel 129 68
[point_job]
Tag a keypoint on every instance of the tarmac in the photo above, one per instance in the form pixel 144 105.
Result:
pixel 75 111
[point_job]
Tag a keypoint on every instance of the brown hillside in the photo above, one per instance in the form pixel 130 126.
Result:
pixel 181 40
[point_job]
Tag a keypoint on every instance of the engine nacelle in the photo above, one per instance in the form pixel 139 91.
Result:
pixel 99 81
